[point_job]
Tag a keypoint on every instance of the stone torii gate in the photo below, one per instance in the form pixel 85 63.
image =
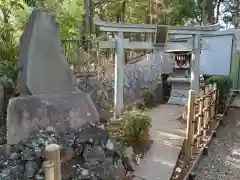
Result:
pixel 120 44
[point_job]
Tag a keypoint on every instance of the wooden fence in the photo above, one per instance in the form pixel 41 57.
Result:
pixel 52 165
pixel 201 119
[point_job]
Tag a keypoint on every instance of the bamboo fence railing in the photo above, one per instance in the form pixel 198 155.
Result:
pixel 201 114
pixel 52 165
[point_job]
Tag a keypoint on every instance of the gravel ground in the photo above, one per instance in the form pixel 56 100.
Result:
pixel 223 160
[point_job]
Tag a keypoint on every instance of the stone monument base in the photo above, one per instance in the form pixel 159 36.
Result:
pixel 64 112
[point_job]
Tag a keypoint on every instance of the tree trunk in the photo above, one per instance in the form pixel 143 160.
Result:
pixel 123 11
pixel 218 10
pixel 150 11
pixel 91 18
pixel 237 14
pixel 87 21
pixel 210 12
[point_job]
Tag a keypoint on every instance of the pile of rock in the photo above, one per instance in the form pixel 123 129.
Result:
pixel 96 156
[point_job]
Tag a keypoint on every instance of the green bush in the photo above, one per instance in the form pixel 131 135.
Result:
pixel 8 74
pixel 136 125
pixel 149 97
pixel 224 84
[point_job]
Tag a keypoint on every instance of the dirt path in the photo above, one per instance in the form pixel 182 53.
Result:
pixel 223 161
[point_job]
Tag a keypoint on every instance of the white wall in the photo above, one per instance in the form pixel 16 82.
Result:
pixel 216 59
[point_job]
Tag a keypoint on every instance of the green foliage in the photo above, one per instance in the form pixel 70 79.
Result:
pixel 173 12
pixel 70 19
pixel 13 16
pixel 231 12
pixel 149 97
pixel 136 125
pixel 8 74
pixel 224 84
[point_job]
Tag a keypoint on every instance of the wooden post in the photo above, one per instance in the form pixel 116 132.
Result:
pixel 52 153
pixel 218 101
pixel 214 100
pixel 195 64
pixel 200 118
pixel 48 167
pixel 205 124
pixel 189 130
pixel 210 103
pixel 118 83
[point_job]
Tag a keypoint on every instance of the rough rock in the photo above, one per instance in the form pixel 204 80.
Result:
pixel 97 91
pixel 64 112
pixel 43 67
pixel 96 156
pixel 145 73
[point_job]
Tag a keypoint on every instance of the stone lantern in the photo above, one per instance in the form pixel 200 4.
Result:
pixel 181 75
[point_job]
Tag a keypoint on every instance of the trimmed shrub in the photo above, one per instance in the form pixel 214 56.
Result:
pixel 149 97
pixel 136 125
pixel 224 84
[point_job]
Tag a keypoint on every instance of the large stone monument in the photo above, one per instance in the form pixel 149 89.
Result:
pixel 46 75
pixel 43 67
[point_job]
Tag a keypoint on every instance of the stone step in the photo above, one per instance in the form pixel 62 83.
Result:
pixel 178 100
pixel 158 163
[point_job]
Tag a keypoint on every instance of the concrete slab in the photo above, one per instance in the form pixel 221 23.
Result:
pixel 168 135
pixel 166 138
pixel 164 119
pixel 159 162
pixel 236 102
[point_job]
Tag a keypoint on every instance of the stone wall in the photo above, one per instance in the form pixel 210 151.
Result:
pixel 145 73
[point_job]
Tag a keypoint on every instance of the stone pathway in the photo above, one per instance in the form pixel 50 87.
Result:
pixel 223 160
pixel 168 135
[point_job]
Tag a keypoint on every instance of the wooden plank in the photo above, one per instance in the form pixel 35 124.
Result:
pixel 215 100
pixel 200 118
pixel 206 113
